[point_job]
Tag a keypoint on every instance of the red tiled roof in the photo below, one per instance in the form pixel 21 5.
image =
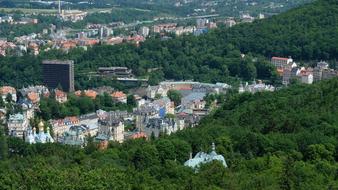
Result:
pixel 139 135
pixel 280 58
pixel 90 93
pixel 33 96
pixel 60 94
pixel 118 94
pixel 7 90
pixel 78 93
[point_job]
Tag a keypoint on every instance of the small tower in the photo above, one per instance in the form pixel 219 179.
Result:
pixel 59 7
pixel 41 126
pixel 34 130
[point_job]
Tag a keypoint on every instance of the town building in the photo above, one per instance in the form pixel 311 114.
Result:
pixel 247 18
pixel 136 135
pixel 90 121
pixel 104 32
pixel 5 46
pixel 164 106
pixel 6 19
pixel 230 22
pixel 33 97
pixel 90 93
pixel 321 69
pixel 261 16
pixel 104 90
pixel 33 137
pixel 60 96
pixel 3 113
pixel 119 96
pixel 73 15
pixel 306 77
pixel 76 136
pixel 28 109
pixel 183 30
pixel 111 128
pixel 281 62
pixel 122 72
pixel 8 90
pixel 255 87
pixel 157 126
pixel 202 22
pixel 60 126
pixel 39 89
pixel 56 72
pixel 144 31
pixel 17 125
pixel 203 158
pixel 169 27
pixel 329 73
pixel 192 100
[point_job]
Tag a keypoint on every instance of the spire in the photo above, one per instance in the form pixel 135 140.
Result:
pixel 41 126
pixel 59 7
pixel 33 128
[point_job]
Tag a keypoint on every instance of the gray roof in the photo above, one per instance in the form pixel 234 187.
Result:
pixel 202 158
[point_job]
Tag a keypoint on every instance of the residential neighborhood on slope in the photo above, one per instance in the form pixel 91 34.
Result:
pixel 154 113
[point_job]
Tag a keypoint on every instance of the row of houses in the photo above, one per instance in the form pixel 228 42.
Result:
pixel 289 70
pixel 255 87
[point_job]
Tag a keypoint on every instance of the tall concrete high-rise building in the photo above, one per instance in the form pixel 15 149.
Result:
pixel 56 72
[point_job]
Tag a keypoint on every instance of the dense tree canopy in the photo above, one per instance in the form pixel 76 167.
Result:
pixel 308 32
pixel 272 140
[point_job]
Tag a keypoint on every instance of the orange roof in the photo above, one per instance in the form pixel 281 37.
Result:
pixel 118 94
pixel 46 94
pixel 103 145
pixel 92 42
pixel 60 94
pixel 280 71
pixel 78 93
pixel 33 45
pixel 69 44
pixel 7 90
pixel 33 96
pixel 139 135
pixel 280 58
pixel 90 93
pixel 73 119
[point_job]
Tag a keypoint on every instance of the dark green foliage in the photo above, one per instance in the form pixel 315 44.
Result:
pixel 259 154
pixel 303 33
pixel 3 143
pixel 205 58
pixel 175 96
pixel 281 140
pixel 51 109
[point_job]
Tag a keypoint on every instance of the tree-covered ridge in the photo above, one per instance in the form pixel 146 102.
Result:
pixel 309 33
pixel 258 157
pixel 290 110
pixel 181 58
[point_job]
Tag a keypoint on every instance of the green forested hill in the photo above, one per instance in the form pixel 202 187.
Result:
pixel 281 140
pixel 308 32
